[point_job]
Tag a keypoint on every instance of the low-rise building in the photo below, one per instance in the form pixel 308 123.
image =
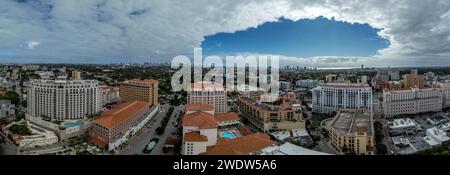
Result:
pixel 208 134
pixel 351 131
pixel 6 108
pixel 403 126
pixel 38 137
pixel 438 135
pixel 282 114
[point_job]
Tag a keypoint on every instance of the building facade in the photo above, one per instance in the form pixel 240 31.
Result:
pixel 7 109
pixel 117 125
pixel 208 93
pixel 331 97
pixel 351 131
pixel 109 94
pixel 411 101
pixel 445 86
pixel 201 135
pixel 59 100
pixel 139 90
pixel 271 116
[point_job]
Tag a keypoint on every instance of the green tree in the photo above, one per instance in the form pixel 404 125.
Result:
pixel 11 95
pixel 21 129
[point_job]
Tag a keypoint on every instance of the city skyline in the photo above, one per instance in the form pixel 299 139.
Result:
pixel 373 33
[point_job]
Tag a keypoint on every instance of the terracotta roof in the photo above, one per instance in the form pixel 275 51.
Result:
pixel 195 137
pixel 226 116
pixel 172 140
pixel 202 120
pixel 241 145
pixel 120 113
pixel 199 106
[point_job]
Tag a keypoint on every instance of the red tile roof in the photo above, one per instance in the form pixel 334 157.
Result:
pixel 230 116
pixel 120 113
pixel 202 120
pixel 241 145
pixel 195 137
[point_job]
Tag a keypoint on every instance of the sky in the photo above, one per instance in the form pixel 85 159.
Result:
pixel 302 38
pixel 318 33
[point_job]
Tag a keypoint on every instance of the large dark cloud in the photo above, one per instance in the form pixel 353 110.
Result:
pixel 152 30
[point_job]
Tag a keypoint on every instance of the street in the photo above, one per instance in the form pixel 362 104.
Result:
pixel 137 143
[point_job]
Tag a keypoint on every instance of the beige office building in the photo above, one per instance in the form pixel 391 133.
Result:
pixel 411 101
pixel 351 131
pixel 139 90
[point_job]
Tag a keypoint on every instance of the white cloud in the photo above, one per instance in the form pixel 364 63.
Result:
pixel 145 30
pixel 32 44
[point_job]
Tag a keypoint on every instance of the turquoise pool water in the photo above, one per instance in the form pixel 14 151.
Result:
pixel 228 135
pixel 72 124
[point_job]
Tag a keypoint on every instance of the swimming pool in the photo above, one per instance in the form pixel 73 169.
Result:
pixel 72 124
pixel 228 135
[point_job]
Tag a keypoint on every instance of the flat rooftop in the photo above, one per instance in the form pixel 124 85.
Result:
pixel 354 121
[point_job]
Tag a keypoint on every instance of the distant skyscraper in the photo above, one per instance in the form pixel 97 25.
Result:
pixel 60 100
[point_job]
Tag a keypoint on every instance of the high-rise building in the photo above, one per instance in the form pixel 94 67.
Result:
pixel 331 97
pixel 208 93
pixel 388 75
pixel 445 86
pixel 413 80
pixel 109 94
pixel 411 101
pixel 331 78
pixel 351 131
pixel 76 75
pixel 59 100
pixel 139 90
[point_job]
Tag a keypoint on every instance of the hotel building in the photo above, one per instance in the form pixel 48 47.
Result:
pixel 208 93
pixel 411 101
pixel 445 86
pixel 109 94
pixel 331 97
pixel 283 114
pixel 351 131
pixel 139 90
pixel 208 134
pixel 117 125
pixel 59 100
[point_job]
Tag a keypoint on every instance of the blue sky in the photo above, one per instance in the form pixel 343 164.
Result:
pixel 303 38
